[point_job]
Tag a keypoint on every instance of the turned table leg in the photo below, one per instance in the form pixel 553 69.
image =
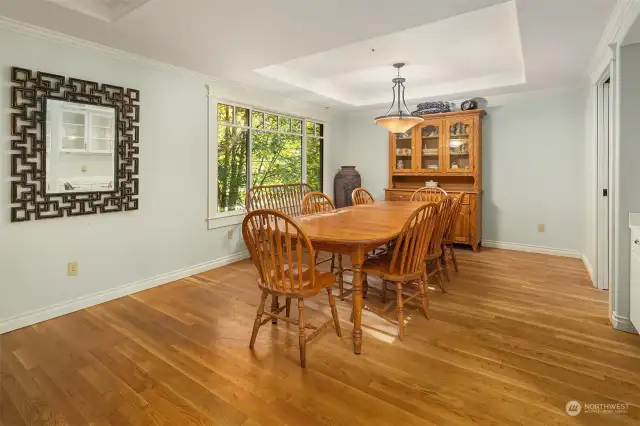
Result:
pixel 357 258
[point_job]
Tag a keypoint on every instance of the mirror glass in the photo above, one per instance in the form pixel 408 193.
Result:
pixel 81 147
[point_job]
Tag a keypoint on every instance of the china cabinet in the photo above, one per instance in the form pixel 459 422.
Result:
pixel 446 148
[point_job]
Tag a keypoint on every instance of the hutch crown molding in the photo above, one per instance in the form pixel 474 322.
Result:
pixel 446 148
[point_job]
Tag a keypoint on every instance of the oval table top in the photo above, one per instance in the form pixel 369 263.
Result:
pixel 368 223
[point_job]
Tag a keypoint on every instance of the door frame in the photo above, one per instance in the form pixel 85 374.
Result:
pixel 605 128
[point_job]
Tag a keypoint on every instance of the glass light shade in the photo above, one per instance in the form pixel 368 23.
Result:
pixel 398 123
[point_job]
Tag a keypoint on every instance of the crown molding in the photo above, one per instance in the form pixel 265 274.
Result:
pixel 603 52
pixel 57 37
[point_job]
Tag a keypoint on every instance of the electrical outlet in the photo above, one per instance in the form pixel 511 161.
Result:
pixel 72 269
pixel 541 227
pixel 230 233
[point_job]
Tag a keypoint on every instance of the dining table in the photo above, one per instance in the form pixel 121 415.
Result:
pixel 355 231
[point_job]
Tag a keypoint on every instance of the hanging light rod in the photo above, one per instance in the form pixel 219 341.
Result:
pixel 398 121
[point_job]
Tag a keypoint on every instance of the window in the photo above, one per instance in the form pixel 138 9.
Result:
pixel 315 143
pixel 262 148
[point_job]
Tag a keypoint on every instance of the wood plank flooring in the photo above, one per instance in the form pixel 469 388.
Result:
pixel 516 337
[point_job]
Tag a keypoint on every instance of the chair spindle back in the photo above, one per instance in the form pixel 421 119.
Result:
pixel 362 196
pixel 453 220
pixel 276 244
pixel 430 194
pixel 445 207
pixel 317 202
pixel 283 198
pixel 412 243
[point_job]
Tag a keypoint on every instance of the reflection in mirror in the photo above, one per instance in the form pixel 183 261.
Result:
pixel 81 147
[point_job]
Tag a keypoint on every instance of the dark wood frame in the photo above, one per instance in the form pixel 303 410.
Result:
pixel 29 94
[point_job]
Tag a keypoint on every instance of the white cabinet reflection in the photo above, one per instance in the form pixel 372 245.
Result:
pixel 81 147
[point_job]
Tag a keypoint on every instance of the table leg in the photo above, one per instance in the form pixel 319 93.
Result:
pixel 357 258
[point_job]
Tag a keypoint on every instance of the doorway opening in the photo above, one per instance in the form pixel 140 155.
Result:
pixel 605 127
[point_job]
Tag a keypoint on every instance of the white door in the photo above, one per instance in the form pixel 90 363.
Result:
pixel 605 127
pixel 634 299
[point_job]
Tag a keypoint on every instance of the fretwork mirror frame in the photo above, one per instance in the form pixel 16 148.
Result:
pixel 29 93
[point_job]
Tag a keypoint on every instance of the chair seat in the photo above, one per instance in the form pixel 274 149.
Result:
pixel 323 280
pixel 381 266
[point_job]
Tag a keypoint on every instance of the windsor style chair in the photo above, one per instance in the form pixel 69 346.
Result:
pixel 431 194
pixel 283 198
pixel 434 252
pixel 407 262
pixel 362 196
pixel 277 245
pixel 447 241
pixel 319 202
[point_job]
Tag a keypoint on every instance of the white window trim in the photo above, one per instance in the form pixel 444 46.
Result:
pixel 216 219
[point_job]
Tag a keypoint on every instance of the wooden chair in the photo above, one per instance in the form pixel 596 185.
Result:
pixel 434 252
pixel 362 196
pixel 283 198
pixel 406 263
pixel 431 194
pixel 447 241
pixel 276 244
pixel 318 202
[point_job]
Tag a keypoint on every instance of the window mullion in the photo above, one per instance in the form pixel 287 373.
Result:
pixel 303 151
pixel 249 152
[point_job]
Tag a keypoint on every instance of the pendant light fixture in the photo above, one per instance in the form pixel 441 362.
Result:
pixel 401 120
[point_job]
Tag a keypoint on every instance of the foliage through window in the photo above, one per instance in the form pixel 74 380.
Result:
pixel 262 148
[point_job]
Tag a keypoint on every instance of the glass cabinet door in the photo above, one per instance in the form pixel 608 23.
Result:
pixel 102 133
pixel 73 131
pixel 430 133
pixel 403 152
pixel 459 145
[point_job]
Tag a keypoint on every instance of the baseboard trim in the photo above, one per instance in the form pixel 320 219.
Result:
pixel 83 302
pixel 622 323
pixel 587 265
pixel 532 249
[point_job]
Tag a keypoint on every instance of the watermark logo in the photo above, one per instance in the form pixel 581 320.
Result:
pixel 573 408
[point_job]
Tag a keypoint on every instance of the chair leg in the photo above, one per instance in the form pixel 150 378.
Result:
pixel 274 307
pixel 365 285
pixel 302 339
pixel 424 298
pixel 256 323
pixel 333 262
pixel 443 261
pixel 287 309
pixel 384 291
pixel 400 310
pixel 439 276
pixel 453 257
pixel 340 277
pixel 334 312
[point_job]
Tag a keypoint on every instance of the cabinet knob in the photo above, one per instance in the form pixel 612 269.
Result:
pixel 637 241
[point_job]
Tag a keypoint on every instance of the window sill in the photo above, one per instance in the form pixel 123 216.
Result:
pixel 224 220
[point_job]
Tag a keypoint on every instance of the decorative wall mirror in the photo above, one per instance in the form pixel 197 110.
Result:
pixel 75 146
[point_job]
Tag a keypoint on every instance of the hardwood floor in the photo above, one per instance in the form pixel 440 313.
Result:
pixel 516 337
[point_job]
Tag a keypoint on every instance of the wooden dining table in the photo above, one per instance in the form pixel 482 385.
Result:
pixel 356 231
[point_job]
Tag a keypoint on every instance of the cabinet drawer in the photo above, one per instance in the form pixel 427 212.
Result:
pixel 398 196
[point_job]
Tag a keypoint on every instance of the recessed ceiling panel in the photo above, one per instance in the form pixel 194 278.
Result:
pixel 469 52
pixel 106 10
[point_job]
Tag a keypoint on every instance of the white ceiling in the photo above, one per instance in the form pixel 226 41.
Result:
pixel 473 51
pixel 107 10
pixel 320 51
